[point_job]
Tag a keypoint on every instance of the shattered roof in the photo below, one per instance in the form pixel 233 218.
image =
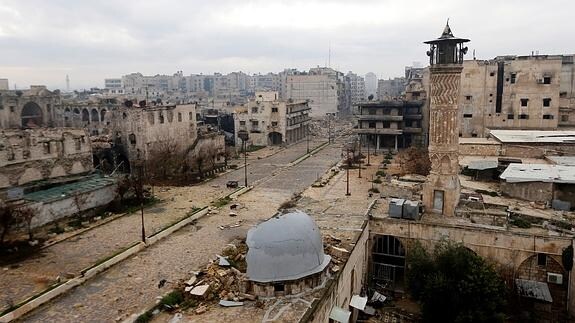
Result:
pixel 521 173
pixel 533 289
pixel 533 136
pixel 285 247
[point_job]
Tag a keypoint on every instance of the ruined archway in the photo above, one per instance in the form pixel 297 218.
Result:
pixel 31 116
pixel 85 115
pixel 94 116
pixel 275 138
pixel 388 262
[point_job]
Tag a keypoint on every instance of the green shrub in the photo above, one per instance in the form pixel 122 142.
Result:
pixel 222 201
pixel 374 190
pixel 380 173
pixel 376 181
pixel 172 299
pixel 520 222
pixel 145 317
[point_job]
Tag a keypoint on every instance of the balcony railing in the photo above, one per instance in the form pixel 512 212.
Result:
pixel 379 131
pixel 379 117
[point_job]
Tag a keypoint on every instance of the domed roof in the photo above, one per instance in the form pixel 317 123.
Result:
pixel 285 247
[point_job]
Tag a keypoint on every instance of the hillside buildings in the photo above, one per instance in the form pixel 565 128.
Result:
pixel 269 121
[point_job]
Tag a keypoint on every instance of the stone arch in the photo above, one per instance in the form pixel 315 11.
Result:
pixel 31 116
pixel 85 115
pixel 94 116
pixel 446 163
pixel 30 175
pixel 77 111
pixel 57 171
pixel 275 138
pixel 77 168
pixel 103 115
pixel 388 262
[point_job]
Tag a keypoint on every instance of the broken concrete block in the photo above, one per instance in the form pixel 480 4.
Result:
pixel 230 303
pixel 223 261
pixel 248 296
pixel 200 290
pixel 339 252
pixel 201 310
pixel 191 281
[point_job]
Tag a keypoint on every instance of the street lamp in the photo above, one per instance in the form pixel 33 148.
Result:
pixel 139 188
pixel 244 136
pixel 347 193
pixel 307 135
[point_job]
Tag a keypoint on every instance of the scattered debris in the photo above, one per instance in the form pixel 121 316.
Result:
pixel 230 303
pixel 162 283
pixel 200 290
pixel 223 261
pixel 201 309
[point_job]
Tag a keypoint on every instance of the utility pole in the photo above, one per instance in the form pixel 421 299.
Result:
pixel 328 128
pixel 359 158
pixel 245 165
pixel 347 193
pixel 140 193
pixel 307 135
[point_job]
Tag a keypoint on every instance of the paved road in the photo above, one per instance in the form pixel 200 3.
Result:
pixel 131 285
pixel 69 257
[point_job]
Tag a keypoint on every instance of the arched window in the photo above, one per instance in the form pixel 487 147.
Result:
pixel 31 116
pixel 94 116
pixel 85 115
pixel 102 114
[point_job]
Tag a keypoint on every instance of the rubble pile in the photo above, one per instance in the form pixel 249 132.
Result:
pixel 223 280
pixel 337 250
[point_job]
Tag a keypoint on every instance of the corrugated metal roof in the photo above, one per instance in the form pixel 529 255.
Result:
pixel 562 160
pixel 482 164
pixel 66 190
pixel 285 247
pixel 533 289
pixel 520 173
pixel 533 136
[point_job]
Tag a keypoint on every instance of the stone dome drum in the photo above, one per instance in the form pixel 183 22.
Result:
pixel 285 247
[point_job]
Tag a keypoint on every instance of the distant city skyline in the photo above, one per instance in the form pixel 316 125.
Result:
pixel 43 42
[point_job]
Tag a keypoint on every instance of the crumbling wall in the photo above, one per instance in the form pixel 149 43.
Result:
pixel 530 191
pixel 45 153
pixel 478 149
pixel 347 283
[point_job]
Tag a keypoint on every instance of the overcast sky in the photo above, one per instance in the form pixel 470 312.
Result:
pixel 43 40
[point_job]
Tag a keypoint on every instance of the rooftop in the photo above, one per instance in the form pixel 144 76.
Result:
pixel 521 173
pixel 533 136
pixel 66 190
pixel 562 160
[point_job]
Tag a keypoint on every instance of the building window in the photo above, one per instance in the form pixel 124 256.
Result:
pixel 255 123
pixel 468 97
pixel 492 74
pixel 11 108
pixel 547 80
pixel 546 102
pixel 242 123
pixel 524 116
pixel 468 115
pixel 274 124
pixel 371 125
pixel 511 116
pixel 132 138
pixel 254 110
pixel 513 78
pixel 78 144
pixel 46 148
pixel 274 109
pixel 524 102
pixel 179 117
pixel 565 118
pixel 279 287
pixel 548 116
pixel 161 118
pixel 371 111
pixel 191 116
pixel 541 259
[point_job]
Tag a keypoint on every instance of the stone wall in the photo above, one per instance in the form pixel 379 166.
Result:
pixel 510 250
pixel 479 149
pixel 45 153
pixel 530 191
pixel 50 211
pixel 350 280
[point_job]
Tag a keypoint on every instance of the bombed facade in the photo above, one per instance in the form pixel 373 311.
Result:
pixel 269 121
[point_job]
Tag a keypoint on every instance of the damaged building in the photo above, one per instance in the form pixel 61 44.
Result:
pixel 30 108
pixel 391 124
pixel 269 121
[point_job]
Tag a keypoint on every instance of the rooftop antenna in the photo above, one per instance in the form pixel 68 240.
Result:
pixel 329 56
pixel 67 83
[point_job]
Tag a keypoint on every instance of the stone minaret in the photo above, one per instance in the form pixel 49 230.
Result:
pixel 441 191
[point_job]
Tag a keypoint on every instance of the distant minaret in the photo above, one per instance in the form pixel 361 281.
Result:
pixel 67 83
pixel 442 188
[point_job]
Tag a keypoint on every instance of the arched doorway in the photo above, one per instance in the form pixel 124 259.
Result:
pixel 85 116
pixel 275 138
pixel 388 263
pixel 31 116
pixel 95 117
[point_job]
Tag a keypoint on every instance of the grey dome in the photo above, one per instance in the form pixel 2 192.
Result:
pixel 285 247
